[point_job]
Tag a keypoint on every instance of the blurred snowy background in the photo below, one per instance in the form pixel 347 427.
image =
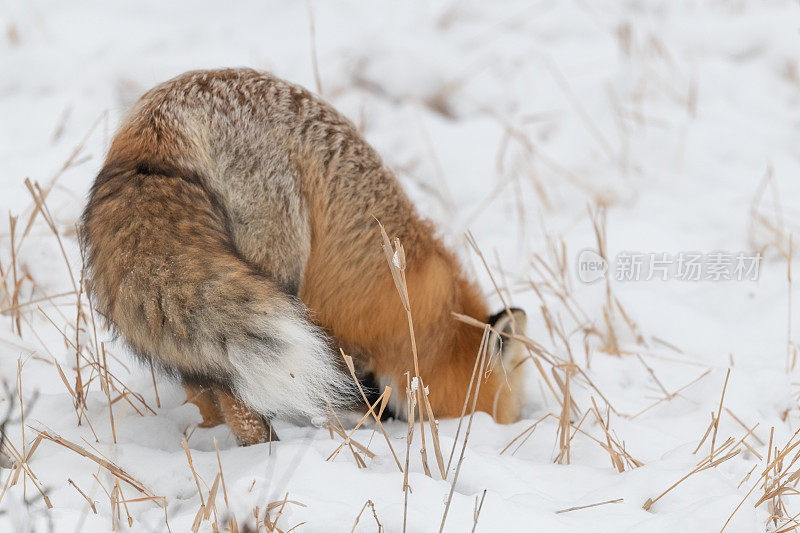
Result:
pixel 668 126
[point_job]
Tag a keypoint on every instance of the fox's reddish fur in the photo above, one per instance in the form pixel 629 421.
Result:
pixel 227 193
pixel 364 314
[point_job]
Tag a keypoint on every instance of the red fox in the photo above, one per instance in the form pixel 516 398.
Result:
pixel 231 239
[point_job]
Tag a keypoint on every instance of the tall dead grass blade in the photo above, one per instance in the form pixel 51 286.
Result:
pixel 482 356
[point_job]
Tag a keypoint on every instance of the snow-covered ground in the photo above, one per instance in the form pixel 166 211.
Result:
pixel 514 120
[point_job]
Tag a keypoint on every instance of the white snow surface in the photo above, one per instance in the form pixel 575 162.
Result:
pixel 508 119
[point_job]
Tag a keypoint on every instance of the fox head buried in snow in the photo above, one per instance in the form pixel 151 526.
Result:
pixel 508 322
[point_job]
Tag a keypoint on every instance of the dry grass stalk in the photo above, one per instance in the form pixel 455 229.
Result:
pixel 19 459
pixel 313 38
pixel 554 272
pixel 85 497
pixel 616 459
pixel 483 360
pixel 348 438
pixel 39 200
pixel 78 315
pixel 744 426
pixel 463 411
pixel 672 395
pixel 32 301
pixel 221 475
pixel 774 478
pixel 117 497
pixel 530 343
pixel 598 218
pixel 98 367
pixel 80 406
pixel 531 347
pixel 4 293
pixel 117 384
pixel 40 206
pixel 14 300
pixel 656 355
pixel 612 345
pixel 377 417
pixel 573 406
pixel 410 405
pixel 792 349
pixel 540 351
pixel 155 385
pixel 613 445
pixel 121 498
pixel 635 331
pixel 233 525
pixel 374 515
pixel 105 383
pixel 786 528
pixel 555 328
pixel 777 477
pixel 557 278
pixel 768 230
pixel 474 245
pixel 71 161
pixel 106 386
pixel 352 444
pixel 198 516
pixel 280 505
pixel 111 500
pixel 21 466
pixel 105 463
pixel 21 405
pixel 533 151
pixel 719 412
pixel 445 196
pixel 666 344
pixel 396 258
pixel 525 434
pixel 744 443
pixel 566 449
pixel 477 512
pixel 562 82
pixel 437 447
pixel 709 462
pixel 745 478
pixel 653 375
pixel 211 504
pixel 564 420
pixel 618 500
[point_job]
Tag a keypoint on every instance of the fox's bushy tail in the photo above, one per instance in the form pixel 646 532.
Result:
pixel 164 271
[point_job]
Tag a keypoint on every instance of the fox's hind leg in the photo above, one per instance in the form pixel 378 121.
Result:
pixel 205 400
pixel 248 426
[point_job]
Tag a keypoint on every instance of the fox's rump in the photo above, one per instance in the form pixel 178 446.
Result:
pixel 164 271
